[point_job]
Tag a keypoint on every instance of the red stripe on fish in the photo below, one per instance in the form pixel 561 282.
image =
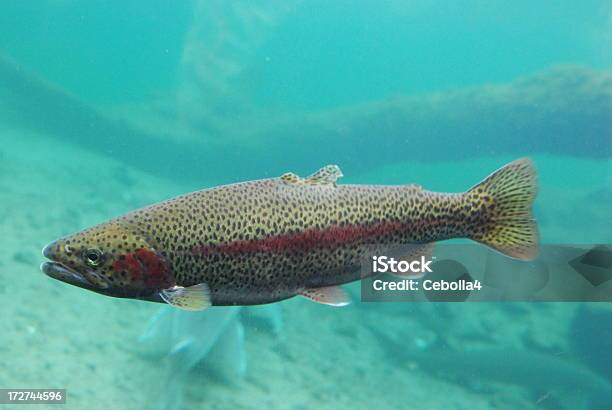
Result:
pixel 303 241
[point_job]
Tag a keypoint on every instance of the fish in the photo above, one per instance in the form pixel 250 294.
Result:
pixel 212 340
pixel 183 340
pixel 268 240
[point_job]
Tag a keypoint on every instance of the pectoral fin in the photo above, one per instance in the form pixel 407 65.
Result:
pixel 331 295
pixel 196 297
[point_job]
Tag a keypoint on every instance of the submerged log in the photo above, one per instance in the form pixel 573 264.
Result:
pixel 31 102
pixel 563 111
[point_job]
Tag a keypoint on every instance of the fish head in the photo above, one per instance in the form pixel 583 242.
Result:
pixel 113 259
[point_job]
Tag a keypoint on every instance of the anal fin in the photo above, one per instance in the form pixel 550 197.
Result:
pixel 415 253
pixel 330 295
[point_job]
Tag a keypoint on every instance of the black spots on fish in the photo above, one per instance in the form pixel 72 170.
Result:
pixel 245 213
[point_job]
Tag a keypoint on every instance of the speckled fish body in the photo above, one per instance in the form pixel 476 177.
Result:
pixel 267 240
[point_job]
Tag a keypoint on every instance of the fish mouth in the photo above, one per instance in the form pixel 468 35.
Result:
pixel 58 271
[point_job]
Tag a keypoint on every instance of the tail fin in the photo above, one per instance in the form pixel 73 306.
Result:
pixel 505 198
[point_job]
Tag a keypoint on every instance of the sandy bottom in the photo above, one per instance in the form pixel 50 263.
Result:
pixel 58 336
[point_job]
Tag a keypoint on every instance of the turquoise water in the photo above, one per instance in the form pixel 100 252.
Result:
pixel 107 107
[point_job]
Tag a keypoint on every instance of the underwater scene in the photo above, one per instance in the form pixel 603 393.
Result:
pixel 356 125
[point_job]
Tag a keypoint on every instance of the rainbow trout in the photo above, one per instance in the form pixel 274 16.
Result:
pixel 267 240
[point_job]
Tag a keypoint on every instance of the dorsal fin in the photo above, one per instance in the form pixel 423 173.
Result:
pixel 328 175
pixel 290 178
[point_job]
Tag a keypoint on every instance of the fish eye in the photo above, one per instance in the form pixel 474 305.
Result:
pixel 93 257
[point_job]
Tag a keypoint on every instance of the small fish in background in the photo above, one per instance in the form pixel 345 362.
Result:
pixel 268 240
pixel 189 342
